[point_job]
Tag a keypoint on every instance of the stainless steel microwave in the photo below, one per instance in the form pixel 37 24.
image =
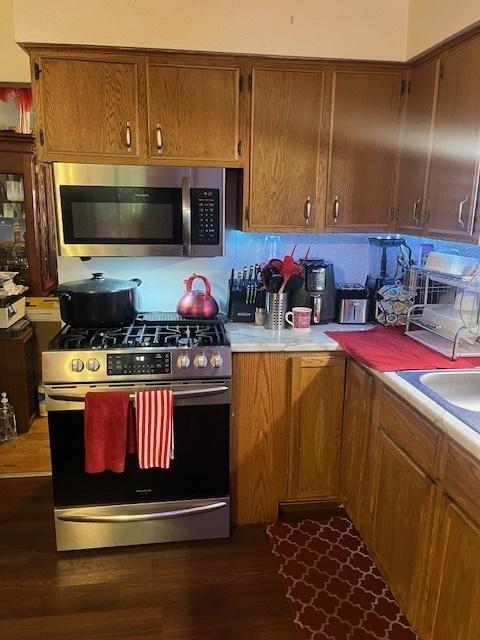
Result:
pixel 120 210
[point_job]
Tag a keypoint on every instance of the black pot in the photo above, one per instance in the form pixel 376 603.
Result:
pixel 98 301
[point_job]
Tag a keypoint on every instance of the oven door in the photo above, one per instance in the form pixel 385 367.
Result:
pixel 199 470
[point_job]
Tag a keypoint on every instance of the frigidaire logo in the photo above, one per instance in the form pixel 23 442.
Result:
pixel 141 195
pixel 143 491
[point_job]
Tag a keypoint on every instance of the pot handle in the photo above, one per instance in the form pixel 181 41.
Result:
pixel 137 281
pixel 64 294
pixel 196 276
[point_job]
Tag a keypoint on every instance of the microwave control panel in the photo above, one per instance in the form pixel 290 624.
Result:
pixel 130 364
pixel 205 207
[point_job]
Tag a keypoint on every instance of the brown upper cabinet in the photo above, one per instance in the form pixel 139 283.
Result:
pixel 364 124
pixel 453 184
pixel 193 113
pixel 286 180
pixel 416 146
pixel 87 109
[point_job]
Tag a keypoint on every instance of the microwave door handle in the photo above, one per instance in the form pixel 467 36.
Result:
pixel 72 397
pixel 186 217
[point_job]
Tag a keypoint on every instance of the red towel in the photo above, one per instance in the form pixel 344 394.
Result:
pixel 154 411
pixel 389 349
pixel 105 431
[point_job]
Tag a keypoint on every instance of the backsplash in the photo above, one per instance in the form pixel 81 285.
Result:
pixel 162 278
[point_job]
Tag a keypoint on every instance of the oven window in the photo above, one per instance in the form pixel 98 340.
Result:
pixel 130 215
pixel 200 468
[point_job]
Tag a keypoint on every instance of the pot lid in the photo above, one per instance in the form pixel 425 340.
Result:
pixel 98 284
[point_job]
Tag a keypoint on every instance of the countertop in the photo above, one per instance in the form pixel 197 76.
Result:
pixel 249 338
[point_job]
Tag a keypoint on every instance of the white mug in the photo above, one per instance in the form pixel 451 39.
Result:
pixel 299 318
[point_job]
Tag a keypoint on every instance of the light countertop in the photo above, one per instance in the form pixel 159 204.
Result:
pixel 249 338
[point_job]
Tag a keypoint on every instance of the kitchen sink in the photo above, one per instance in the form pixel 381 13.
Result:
pixel 461 388
pixel 456 390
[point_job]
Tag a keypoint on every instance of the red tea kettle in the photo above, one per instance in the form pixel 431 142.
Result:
pixel 197 304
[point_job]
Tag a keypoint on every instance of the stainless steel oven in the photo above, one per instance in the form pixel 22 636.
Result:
pixel 120 210
pixel 190 500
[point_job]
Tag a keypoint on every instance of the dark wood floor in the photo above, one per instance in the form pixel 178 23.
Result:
pixel 215 590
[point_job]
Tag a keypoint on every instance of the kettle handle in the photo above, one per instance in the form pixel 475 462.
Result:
pixel 189 282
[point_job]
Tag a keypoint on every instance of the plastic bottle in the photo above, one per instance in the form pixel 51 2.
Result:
pixel 8 423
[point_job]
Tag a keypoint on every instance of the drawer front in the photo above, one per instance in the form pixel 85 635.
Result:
pixel 417 437
pixel 462 480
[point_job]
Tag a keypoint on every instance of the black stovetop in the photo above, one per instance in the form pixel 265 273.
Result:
pixel 161 330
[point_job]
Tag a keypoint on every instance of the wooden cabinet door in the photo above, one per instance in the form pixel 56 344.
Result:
pixel 193 113
pixel 416 144
pixel 453 183
pixel 285 189
pixel 355 443
pixel 363 147
pixel 403 498
pixel 259 436
pixel 317 392
pixel 87 109
pixel 456 613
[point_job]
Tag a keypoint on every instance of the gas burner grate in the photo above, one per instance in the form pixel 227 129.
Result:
pixel 168 333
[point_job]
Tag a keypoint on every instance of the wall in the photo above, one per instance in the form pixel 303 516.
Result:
pixel 371 29
pixel 162 278
pixel 432 21
pixel 14 64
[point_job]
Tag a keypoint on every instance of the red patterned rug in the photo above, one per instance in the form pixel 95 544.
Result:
pixel 334 588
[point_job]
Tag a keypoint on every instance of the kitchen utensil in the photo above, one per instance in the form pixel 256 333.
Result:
pixel 196 303
pixel 274 263
pixel 276 305
pixel 276 282
pixel 98 301
pixel 299 318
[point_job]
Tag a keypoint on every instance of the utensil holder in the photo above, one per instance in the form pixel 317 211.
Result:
pixel 276 308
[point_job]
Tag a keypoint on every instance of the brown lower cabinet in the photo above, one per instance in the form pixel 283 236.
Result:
pixel 286 432
pixel 420 509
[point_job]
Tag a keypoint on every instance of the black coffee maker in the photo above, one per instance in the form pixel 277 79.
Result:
pixel 318 292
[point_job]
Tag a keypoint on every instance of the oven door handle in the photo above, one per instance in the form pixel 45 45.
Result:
pixel 141 517
pixel 186 217
pixel 177 394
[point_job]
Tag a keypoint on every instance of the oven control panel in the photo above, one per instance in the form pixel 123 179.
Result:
pixel 205 206
pixel 131 364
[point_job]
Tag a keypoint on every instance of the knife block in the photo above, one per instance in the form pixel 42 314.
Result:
pixel 238 309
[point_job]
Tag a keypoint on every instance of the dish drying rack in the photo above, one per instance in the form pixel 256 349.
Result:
pixel 434 288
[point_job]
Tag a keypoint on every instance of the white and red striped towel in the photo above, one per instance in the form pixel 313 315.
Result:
pixel 154 411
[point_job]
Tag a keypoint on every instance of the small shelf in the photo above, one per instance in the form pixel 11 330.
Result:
pixel 460 282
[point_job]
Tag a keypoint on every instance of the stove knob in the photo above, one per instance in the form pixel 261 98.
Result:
pixel 77 365
pixel 216 361
pixel 200 361
pixel 93 364
pixel 183 362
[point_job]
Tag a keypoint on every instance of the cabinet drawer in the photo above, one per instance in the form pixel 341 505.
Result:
pixel 410 432
pixel 462 480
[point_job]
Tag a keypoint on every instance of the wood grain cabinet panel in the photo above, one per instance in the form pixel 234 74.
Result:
pixel 416 145
pixel 403 500
pixel 355 457
pixel 193 112
pixel 286 183
pixel 317 388
pixel 365 117
pixel 453 183
pixel 259 436
pixel 455 610
pixel 87 107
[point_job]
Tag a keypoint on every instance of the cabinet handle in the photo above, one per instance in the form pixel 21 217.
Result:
pixel 336 209
pixel 414 214
pixel 128 136
pixel 159 138
pixel 307 210
pixel 460 211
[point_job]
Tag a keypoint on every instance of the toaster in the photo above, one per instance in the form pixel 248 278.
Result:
pixel 352 304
